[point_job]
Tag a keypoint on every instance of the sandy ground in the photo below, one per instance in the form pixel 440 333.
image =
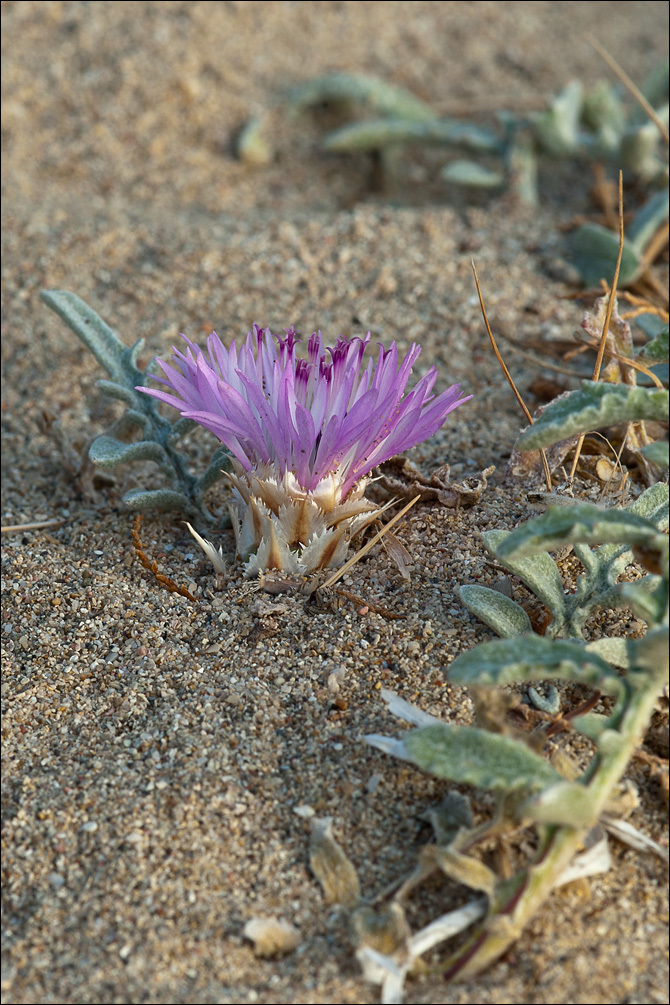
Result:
pixel 154 749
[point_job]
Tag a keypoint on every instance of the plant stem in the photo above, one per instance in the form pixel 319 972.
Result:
pixel 516 900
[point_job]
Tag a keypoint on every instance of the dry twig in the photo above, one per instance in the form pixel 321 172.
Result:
pixel 608 317
pixel 152 567
pixel 508 375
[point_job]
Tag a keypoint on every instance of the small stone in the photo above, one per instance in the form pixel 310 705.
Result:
pixel 271 937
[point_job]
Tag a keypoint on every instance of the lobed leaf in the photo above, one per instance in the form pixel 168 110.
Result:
pixel 648 599
pixel 584 523
pixel 116 358
pixel 540 574
pixel 594 405
pixel 533 657
pixel 471 756
pixel 108 452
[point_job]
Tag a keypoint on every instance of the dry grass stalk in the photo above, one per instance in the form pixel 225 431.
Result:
pixel 608 318
pixel 634 90
pixel 370 544
pixel 508 375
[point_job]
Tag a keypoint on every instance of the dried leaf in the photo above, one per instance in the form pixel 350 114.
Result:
pixel 398 553
pixel 403 480
pixel 332 868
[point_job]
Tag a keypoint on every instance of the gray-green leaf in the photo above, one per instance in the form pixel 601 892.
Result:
pixel 157 500
pixel 540 574
pixel 584 523
pixel 593 406
pixel 503 615
pixel 595 250
pixel 108 452
pixel 377 95
pixel 472 756
pixel 533 657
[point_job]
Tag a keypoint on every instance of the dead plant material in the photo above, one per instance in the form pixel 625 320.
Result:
pixel 38 525
pixel 531 465
pixel 332 579
pixel 562 723
pixel 400 478
pixel 608 316
pixel 375 608
pixel 152 567
pixel 634 90
pixel 642 306
pixel 510 381
pixel 604 194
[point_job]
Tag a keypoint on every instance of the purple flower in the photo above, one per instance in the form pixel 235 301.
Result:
pixel 317 425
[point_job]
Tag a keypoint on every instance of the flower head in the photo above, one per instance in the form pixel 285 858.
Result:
pixel 304 433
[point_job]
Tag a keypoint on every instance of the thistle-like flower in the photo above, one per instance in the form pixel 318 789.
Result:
pixel 304 434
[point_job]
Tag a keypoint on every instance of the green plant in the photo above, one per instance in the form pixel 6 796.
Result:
pixel 531 793
pixel 159 436
pixel 587 125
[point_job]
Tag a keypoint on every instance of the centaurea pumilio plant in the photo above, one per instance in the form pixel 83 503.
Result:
pixel 304 433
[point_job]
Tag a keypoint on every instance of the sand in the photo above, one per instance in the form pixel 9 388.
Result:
pixel 155 750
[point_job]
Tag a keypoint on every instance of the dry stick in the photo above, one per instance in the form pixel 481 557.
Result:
pixel 634 90
pixel 655 246
pixel 608 318
pixel 508 375
pixel 152 567
pixel 366 547
pixel 617 465
pixel 11 528
pixel 633 363
pixel 648 283
pixel 543 362
pixel 644 305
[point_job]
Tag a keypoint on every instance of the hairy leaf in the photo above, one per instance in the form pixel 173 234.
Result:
pixel 117 359
pixel 533 657
pixel 656 350
pixel 472 756
pixel 658 453
pixel 107 452
pixel 557 130
pixel 584 523
pixel 377 95
pixel 593 406
pixel 566 803
pixel 378 133
pixel 499 612
pixel 158 500
pixel 464 172
pixel 540 574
